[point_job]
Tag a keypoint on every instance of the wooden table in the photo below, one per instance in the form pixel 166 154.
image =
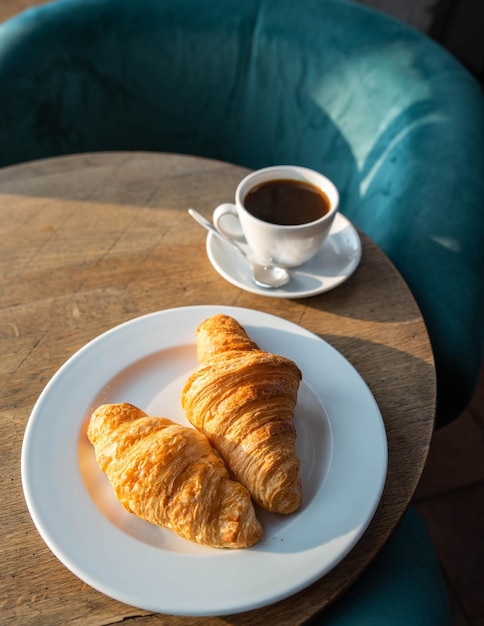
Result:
pixel 90 241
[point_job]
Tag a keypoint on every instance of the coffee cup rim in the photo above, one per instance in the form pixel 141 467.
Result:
pixel 284 173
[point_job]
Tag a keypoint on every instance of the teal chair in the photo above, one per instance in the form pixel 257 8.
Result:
pixel 392 118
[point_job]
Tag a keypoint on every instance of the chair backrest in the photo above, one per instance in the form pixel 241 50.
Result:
pixel 391 117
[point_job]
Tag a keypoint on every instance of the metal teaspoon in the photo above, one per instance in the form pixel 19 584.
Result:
pixel 268 276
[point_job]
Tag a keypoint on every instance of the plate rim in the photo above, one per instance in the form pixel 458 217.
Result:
pixel 107 588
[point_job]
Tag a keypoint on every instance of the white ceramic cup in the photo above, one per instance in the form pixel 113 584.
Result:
pixel 288 246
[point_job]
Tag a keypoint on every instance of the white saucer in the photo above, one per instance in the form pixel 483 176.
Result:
pixel 337 259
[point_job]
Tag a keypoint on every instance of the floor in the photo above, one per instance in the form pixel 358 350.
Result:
pixel 451 493
pixel 450 496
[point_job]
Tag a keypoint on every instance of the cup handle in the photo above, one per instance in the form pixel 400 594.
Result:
pixel 227 213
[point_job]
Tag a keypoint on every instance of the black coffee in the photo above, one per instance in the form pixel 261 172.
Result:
pixel 287 202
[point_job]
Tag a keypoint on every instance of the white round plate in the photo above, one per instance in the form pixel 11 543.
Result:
pixel 146 361
pixel 336 260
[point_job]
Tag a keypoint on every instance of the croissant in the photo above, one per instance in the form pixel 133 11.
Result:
pixel 243 399
pixel 169 475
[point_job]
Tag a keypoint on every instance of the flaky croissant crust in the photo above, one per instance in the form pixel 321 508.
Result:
pixel 244 399
pixel 169 475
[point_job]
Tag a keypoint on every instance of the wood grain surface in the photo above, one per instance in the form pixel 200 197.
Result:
pixel 90 241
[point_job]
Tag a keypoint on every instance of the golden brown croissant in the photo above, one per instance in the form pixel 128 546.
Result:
pixel 243 399
pixel 169 475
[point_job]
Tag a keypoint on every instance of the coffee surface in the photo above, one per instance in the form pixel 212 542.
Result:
pixel 287 202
